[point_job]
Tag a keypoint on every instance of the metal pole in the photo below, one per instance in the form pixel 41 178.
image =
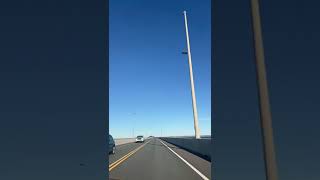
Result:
pixel 133 122
pixel 194 104
pixel 265 113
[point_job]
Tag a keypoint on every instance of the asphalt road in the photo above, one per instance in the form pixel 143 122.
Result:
pixel 153 160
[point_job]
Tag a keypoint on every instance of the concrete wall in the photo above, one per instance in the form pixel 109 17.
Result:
pixel 124 141
pixel 200 147
pixel 121 141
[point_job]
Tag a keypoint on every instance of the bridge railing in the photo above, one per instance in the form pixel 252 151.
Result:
pixel 200 147
pixel 121 141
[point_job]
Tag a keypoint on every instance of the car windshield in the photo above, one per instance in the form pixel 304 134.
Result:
pixel 139 136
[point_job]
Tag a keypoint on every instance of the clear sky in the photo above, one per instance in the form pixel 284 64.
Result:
pixel 149 79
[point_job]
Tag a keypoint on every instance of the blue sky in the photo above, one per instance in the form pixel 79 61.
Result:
pixel 149 83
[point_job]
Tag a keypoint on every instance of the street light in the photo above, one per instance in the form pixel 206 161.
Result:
pixel 194 104
pixel 133 122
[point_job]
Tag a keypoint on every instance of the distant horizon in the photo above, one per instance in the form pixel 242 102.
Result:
pixel 159 136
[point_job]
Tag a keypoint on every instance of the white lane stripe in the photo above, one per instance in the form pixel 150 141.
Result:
pixel 193 168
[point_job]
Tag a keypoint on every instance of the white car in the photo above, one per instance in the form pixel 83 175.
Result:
pixel 139 139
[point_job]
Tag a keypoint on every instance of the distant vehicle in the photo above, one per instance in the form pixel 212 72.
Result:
pixel 112 145
pixel 139 139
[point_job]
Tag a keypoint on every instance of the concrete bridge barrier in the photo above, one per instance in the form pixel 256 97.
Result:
pixel 121 141
pixel 200 147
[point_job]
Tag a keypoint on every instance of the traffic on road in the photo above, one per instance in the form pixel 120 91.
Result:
pixel 157 160
pixel 112 145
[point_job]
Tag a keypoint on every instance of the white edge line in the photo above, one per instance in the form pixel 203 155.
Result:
pixel 193 168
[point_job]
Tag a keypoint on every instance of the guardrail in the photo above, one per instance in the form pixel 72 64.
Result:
pixel 200 147
pixel 190 137
pixel 124 141
pixel 120 141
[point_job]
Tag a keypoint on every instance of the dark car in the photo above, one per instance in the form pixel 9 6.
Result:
pixel 112 146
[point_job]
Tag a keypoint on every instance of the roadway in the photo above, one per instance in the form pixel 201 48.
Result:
pixel 156 160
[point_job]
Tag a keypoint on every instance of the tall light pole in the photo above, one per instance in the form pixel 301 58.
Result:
pixel 194 103
pixel 133 122
pixel 265 114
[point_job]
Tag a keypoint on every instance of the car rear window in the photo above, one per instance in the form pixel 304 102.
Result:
pixel 139 136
